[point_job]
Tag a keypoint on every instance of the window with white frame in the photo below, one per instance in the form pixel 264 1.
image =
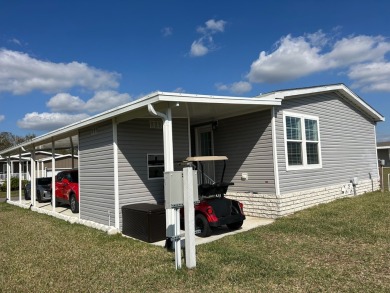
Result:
pixel 302 141
pixel 155 164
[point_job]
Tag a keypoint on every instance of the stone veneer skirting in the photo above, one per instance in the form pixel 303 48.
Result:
pixel 271 206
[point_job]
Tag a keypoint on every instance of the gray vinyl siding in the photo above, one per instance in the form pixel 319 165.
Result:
pixel 97 199
pixel 347 139
pixel 135 140
pixel 247 141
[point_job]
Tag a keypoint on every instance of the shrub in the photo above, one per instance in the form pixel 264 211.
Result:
pixel 14 184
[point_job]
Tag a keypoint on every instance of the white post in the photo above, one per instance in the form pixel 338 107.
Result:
pixel 28 176
pixel 33 177
pixel 189 217
pixel 8 178
pixel 53 175
pixel 20 175
pixel 172 215
pixel 116 172
pixel 37 171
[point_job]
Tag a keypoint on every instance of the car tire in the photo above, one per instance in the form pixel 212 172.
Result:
pixel 202 224
pixel 26 197
pixel 39 197
pixel 74 205
pixel 235 226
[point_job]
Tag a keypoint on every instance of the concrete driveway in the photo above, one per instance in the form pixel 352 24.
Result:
pixel 249 223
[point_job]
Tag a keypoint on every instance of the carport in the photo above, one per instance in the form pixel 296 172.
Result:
pixel 49 145
pixel 160 110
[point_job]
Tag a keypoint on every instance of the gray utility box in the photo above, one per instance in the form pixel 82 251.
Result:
pixel 174 189
pixel 144 221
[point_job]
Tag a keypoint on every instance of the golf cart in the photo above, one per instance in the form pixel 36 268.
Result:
pixel 214 210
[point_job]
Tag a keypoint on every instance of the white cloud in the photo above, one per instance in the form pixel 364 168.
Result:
pixel 101 101
pixel 48 121
pixel 296 57
pixel 104 100
pixel 2 118
pixel 212 26
pixel 205 43
pixel 21 74
pixel 198 49
pixel 371 76
pixel 239 87
pixel 65 107
pixel 15 41
pixel 64 102
pixel 179 90
pixel 166 31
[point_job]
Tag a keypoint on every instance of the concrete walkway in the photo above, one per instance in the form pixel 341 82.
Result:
pixel 63 209
pixel 249 223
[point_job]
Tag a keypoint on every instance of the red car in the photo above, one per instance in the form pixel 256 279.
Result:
pixel 67 189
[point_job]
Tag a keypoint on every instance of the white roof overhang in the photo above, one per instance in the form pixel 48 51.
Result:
pixel 198 107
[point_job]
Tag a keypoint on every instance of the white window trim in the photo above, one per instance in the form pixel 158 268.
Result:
pixel 304 165
pixel 147 165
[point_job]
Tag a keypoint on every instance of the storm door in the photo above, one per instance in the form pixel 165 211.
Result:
pixel 205 147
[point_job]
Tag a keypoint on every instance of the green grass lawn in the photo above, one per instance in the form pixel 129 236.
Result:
pixel 14 193
pixel 386 172
pixel 343 246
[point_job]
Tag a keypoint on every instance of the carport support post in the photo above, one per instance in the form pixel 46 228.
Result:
pixel 8 178
pixel 33 177
pixel 53 175
pixel 189 217
pixel 20 175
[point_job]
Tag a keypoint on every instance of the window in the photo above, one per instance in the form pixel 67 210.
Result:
pixel 155 166
pixel 302 141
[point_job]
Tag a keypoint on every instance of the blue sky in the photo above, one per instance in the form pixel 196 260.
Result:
pixel 62 61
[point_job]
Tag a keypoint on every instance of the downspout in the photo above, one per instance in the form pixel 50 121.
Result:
pixel 167 136
pixel 172 215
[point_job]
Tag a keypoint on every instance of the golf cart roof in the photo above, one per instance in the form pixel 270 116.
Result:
pixel 206 158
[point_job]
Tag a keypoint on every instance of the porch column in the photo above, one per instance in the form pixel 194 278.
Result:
pixel 8 178
pixel 116 171
pixel 172 215
pixel 28 176
pixel 72 151
pixel 53 175
pixel 20 175
pixel 33 177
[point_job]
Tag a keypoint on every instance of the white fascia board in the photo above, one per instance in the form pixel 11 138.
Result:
pixel 383 147
pixel 170 97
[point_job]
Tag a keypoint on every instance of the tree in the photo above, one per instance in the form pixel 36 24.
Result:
pixel 7 139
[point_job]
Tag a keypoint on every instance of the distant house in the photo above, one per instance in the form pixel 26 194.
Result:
pixel 383 149
pixel 42 164
pixel 288 150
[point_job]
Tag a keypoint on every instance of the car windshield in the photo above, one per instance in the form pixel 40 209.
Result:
pixel 43 181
